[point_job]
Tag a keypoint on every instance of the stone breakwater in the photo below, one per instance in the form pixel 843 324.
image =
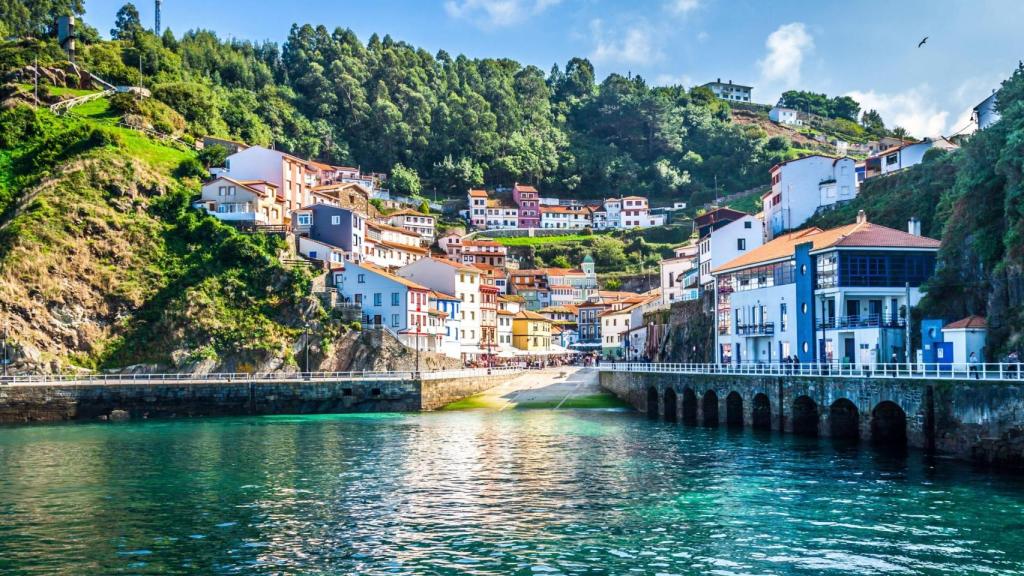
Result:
pixel 86 401
pixel 976 420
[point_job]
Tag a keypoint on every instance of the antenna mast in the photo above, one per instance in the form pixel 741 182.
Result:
pixel 157 29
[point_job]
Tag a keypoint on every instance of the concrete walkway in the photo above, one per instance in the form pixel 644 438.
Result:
pixel 551 387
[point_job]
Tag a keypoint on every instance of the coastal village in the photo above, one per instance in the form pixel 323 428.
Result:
pixel 778 292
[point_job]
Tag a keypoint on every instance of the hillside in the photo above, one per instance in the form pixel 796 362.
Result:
pixel 103 263
pixel 455 121
pixel 972 200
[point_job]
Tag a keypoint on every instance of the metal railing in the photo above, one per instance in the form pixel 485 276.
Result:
pixel 236 377
pixel 763 329
pixel 979 371
pixel 862 321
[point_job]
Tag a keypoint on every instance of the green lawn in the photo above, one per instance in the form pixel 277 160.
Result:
pixel 69 92
pixel 474 403
pixel 750 204
pixel 542 240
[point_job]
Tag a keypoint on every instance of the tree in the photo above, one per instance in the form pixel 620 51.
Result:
pixel 404 180
pixel 900 132
pixel 127 24
pixel 213 156
pixel 871 120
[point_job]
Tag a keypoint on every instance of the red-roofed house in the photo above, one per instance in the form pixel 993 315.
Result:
pixel 837 295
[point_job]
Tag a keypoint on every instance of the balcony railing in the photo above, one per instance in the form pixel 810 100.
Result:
pixel 762 329
pixel 862 321
pixel 922 371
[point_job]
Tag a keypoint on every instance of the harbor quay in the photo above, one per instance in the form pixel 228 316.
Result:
pixel 50 399
pixel 962 417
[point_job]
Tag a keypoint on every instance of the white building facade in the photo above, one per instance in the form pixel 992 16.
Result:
pixel 801 187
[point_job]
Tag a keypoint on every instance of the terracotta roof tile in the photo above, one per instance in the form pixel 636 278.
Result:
pixel 971 322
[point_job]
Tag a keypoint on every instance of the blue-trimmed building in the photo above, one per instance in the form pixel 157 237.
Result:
pixel 837 296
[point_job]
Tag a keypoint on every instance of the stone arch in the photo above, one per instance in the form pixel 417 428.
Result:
pixel 671 405
pixel 652 402
pixel 689 407
pixel 805 416
pixel 889 425
pixel 761 415
pixel 734 410
pixel 710 406
pixel 844 420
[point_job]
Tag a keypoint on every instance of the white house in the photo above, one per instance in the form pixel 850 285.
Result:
pixel 730 91
pixel 501 215
pixel 985 113
pixel 565 217
pixel 460 280
pixel 908 155
pixel 477 201
pixel 837 295
pixel 625 213
pixel 294 177
pixel 249 201
pixel 783 115
pixel 673 273
pixel 451 306
pixel 801 187
pixel 390 246
pixel 967 336
pixel 417 222
pixel 387 300
pixel 726 243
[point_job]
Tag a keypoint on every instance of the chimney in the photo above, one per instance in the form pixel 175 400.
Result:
pixel 862 218
pixel 914 226
pixel 719 80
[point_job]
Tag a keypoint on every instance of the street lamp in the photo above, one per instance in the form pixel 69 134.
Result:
pixel 306 331
pixel 5 351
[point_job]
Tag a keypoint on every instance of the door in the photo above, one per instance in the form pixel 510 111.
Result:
pixel 852 313
pixel 875 310
pixel 849 350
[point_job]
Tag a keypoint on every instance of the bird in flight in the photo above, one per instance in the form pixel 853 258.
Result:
pixel 921 43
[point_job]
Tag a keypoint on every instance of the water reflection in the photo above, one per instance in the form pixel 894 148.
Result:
pixel 486 493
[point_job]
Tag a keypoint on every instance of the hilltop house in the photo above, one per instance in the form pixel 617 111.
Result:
pixel 985 113
pixel 803 186
pixel 783 115
pixel 907 155
pixel 527 198
pixel 243 201
pixel 730 91
pixel 413 221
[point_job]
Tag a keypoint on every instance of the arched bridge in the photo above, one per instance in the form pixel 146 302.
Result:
pixel 980 419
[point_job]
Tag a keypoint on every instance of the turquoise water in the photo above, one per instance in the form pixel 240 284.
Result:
pixel 530 492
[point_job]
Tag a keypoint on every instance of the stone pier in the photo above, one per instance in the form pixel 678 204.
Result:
pixel 83 401
pixel 982 421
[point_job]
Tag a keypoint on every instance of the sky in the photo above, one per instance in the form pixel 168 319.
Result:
pixel 866 49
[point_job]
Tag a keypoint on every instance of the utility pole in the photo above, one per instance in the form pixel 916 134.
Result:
pixel 157 28
pixel 906 327
pixel 5 351
pixel 307 347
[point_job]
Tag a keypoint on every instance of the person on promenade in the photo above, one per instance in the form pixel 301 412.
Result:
pixel 973 365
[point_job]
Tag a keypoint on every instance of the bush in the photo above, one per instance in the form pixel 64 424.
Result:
pixel 191 168
pixel 355 326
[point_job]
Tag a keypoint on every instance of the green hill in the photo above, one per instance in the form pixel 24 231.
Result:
pixel 103 263
pixel 973 199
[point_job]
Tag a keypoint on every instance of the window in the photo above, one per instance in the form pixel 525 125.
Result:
pixel 377 298
pixel 741 243
pixel 394 298
pixel 747 224
pixel 361 279
pixel 891 159
pixel 303 219
pixel 394 320
pixel 335 220
pixel 783 316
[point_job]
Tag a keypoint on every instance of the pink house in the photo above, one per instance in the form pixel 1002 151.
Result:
pixel 529 205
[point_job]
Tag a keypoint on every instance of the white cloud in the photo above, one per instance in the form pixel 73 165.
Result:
pixel 703 36
pixel 682 6
pixel 673 80
pixel 912 109
pixel 496 13
pixel 787 47
pixel 632 44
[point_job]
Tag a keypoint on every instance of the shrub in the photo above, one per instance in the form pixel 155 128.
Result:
pixel 190 168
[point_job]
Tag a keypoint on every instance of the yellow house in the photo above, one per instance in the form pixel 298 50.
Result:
pixel 531 331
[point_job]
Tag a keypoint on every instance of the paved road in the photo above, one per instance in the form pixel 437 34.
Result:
pixel 551 385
